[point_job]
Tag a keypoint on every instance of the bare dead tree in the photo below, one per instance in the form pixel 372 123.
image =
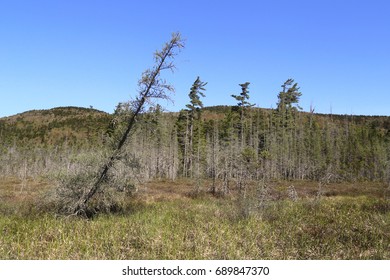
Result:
pixel 150 86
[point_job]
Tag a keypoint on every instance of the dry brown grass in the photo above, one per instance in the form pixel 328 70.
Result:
pixel 165 190
pixel 24 194
pixel 163 221
pixel 308 189
pixel 18 191
pixel 21 196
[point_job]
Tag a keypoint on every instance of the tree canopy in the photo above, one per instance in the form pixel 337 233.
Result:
pixel 289 96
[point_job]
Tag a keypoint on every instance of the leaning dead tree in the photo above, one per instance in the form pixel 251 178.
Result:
pixel 150 86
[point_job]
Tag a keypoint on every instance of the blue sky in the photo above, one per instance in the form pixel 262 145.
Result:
pixel 92 52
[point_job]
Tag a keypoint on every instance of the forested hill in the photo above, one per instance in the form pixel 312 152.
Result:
pixel 71 125
pixel 79 126
pixel 221 142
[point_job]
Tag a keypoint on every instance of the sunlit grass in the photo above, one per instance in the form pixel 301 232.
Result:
pixel 206 228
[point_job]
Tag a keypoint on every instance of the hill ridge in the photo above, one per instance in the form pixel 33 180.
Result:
pixel 82 125
pixel 54 126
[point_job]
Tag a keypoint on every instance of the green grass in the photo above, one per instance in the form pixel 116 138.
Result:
pixel 206 228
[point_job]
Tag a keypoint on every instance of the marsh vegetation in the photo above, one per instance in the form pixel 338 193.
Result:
pixel 167 220
pixel 224 182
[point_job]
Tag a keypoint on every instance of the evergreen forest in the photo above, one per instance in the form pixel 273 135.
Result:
pixel 225 144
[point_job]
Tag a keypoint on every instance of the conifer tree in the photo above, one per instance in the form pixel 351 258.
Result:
pixel 289 96
pixel 286 126
pixel 194 111
pixel 242 104
pixel 243 97
pixel 195 92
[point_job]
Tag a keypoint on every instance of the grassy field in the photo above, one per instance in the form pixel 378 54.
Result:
pixel 164 221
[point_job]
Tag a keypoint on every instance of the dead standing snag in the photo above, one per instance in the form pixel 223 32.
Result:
pixel 151 85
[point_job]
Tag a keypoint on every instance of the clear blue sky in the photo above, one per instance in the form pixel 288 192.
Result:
pixel 92 52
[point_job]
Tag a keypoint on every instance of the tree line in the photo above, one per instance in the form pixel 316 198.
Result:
pixel 229 143
pixel 233 144
pixel 226 145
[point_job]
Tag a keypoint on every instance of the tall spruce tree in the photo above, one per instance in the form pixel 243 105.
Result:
pixel 194 112
pixel 289 96
pixel 286 126
pixel 242 104
pixel 243 97
pixel 196 91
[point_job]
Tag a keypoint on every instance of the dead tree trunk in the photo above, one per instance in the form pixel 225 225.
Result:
pixel 150 86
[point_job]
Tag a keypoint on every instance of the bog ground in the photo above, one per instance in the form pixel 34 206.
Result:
pixel 168 220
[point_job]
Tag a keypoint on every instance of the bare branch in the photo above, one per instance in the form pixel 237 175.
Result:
pixel 149 86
